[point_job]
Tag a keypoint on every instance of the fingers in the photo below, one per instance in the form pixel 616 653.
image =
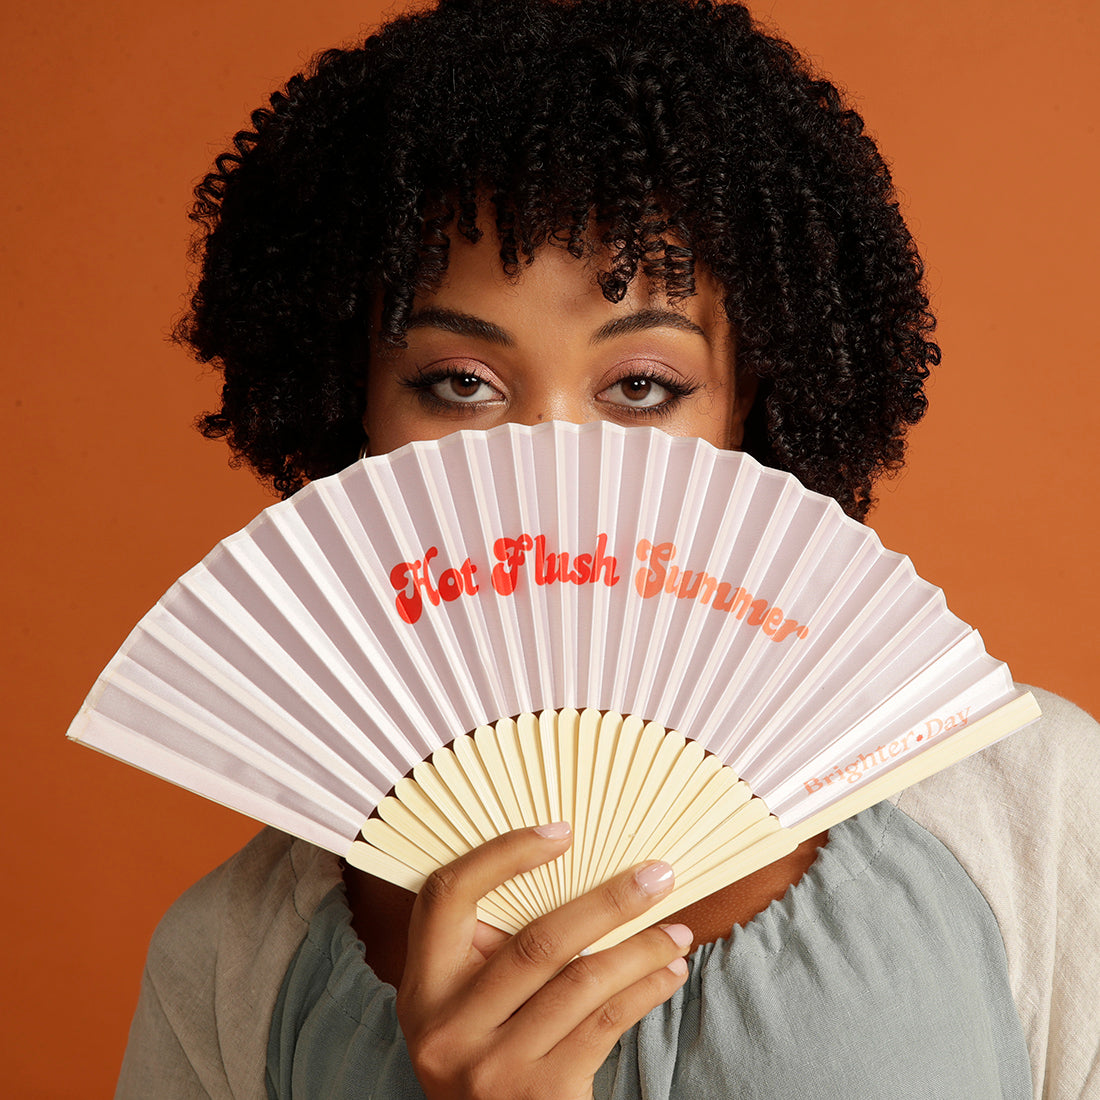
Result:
pixel 488 940
pixel 525 1014
pixel 444 918
pixel 536 953
pixel 597 997
pixel 587 1047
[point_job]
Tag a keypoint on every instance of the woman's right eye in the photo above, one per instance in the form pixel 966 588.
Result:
pixel 452 388
pixel 462 389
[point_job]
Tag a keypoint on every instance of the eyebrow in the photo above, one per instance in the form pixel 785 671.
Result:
pixel 466 324
pixel 461 324
pixel 642 320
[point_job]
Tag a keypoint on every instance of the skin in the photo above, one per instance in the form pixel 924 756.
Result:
pixel 485 1015
pixel 485 344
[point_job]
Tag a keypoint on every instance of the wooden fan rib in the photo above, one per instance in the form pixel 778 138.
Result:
pixel 768 850
pixel 567 733
pixel 524 759
pixel 721 823
pixel 478 790
pixel 423 859
pixel 1001 722
pixel 688 770
pixel 614 800
pixel 553 768
pixel 585 763
pixel 466 773
pixel 607 735
pixel 434 836
pixel 442 797
pixel 496 746
pixel 647 771
pixel 472 785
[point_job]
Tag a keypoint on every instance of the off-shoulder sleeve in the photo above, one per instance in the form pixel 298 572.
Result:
pixel 215 965
pixel 1023 819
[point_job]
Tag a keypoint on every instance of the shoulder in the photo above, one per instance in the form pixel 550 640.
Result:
pixel 269 888
pixel 1040 783
pixel 1062 747
pixel 215 965
pixel 1022 818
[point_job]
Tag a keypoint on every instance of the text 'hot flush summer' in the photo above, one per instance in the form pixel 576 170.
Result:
pixel 530 558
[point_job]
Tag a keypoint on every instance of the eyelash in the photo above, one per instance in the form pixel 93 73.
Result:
pixel 421 384
pixel 678 390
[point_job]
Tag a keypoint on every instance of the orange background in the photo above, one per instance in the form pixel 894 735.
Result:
pixel 113 110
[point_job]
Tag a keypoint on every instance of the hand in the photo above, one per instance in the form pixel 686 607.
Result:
pixel 499 1018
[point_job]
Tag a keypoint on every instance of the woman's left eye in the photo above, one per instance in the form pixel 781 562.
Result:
pixel 640 392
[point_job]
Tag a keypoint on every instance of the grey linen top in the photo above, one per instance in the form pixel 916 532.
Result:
pixel 946 944
pixel 881 974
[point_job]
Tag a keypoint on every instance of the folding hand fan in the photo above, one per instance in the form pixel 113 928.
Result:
pixel 482 610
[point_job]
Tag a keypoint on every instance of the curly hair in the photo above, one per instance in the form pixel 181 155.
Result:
pixel 657 135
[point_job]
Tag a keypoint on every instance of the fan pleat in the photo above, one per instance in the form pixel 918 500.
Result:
pixel 277 601
pixel 378 653
pixel 973 682
pixel 623 678
pixel 245 776
pixel 499 641
pixel 247 719
pixel 799 674
pixel 615 497
pixel 327 722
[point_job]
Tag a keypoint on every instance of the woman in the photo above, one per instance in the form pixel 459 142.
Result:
pixel 644 211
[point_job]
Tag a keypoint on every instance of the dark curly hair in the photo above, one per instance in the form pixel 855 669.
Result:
pixel 658 134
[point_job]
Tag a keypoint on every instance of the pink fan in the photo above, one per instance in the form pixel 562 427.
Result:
pixel 687 655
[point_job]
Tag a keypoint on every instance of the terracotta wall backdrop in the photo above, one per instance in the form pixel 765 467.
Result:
pixel 114 109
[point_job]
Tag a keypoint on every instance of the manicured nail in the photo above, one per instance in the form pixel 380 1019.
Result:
pixel 654 878
pixel 556 830
pixel 680 934
pixel 679 967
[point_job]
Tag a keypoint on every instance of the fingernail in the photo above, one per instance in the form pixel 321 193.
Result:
pixel 679 967
pixel 556 830
pixel 680 934
pixel 654 878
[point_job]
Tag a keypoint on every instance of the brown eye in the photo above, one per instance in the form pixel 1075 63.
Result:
pixel 466 386
pixel 463 389
pixel 637 391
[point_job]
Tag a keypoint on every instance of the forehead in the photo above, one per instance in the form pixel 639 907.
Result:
pixel 555 287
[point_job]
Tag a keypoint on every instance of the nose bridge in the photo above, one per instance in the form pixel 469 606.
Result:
pixel 553 395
